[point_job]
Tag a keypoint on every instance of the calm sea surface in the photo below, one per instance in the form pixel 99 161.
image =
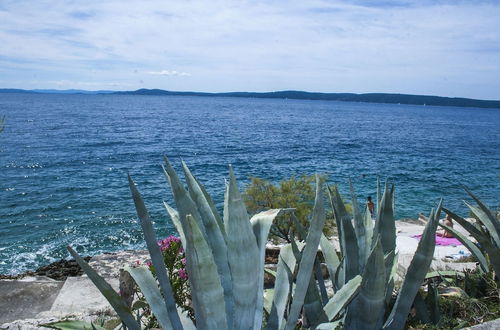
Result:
pixel 64 159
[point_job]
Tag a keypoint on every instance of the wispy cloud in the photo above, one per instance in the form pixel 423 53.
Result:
pixel 169 73
pixel 440 47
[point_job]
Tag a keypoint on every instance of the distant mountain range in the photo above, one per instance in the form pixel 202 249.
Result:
pixel 298 95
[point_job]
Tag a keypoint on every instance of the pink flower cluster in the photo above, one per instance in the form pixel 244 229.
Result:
pixel 182 274
pixel 164 244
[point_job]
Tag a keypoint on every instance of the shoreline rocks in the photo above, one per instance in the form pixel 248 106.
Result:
pixel 58 270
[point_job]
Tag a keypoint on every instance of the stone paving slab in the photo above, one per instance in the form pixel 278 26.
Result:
pixel 80 295
pixel 26 298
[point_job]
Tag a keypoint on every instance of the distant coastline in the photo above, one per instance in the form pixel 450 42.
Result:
pixel 389 98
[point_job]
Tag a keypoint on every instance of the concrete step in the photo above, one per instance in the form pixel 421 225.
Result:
pixel 26 298
pixel 80 295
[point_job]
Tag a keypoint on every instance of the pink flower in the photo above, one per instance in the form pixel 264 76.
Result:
pixel 167 242
pixel 182 274
pixel 183 260
pixel 149 263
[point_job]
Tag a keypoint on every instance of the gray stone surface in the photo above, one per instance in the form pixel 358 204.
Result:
pixel 26 298
pixel 79 295
pixel 108 265
pixel 491 325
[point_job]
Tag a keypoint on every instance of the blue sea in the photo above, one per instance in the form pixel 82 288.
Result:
pixel 64 159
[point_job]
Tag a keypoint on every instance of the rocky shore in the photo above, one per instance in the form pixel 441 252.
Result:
pixel 61 290
pixel 59 271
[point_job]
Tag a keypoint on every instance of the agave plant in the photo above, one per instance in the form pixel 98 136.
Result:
pixel 225 262
pixel 293 294
pixel 486 231
pixel 370 251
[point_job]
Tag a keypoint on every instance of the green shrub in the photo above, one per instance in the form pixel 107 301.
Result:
pixel 296 192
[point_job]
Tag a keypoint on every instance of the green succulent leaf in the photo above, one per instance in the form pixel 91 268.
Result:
pixel 444 273
pixel 487 216
pixel 351 249
pixel 185 205
pixel 210 309
pixel 368 225
pixel 331 258
pixel 421 312
pixel 359 228
pixel 342 297
pixel 308 256
pixel 385 226
pixel 156 255
pixel 149 288
pixel 282 287
pixel 174 215
pixel 432 300
pixel 261 224
pixel 415 274
pixel 214 237
pixel 243 256
pixel 72 325
pixel 490 248
pixel 367 309
pixel 488 221
pixel 469 245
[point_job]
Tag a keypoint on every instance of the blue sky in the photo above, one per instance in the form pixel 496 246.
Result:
pixel 448 48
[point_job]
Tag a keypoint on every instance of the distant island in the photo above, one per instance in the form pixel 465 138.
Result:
pixel 297 95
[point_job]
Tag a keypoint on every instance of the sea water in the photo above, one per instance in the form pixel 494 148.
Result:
pixel 64 160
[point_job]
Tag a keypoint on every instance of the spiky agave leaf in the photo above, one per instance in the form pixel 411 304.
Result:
pixel 331 258
pixel 350 250
pixel 317 267
pixel 415 275
pixel 342 297
pixel 368 225
pixel 210 309
pixel 313 306
pixel 174 216
pixel 385 224
pixel 482 238
pixel 359 228
pixel 243 256
pixel 156 255
pixel 487 217
pixel 379 196
pixel 308 255
pixel 367 309
pixel 72 325
pixel 261 224
pixel 149 288
pixel 213 207
pixel 469 245
pixel 282 287
pixel 338 207
pixel 348 240
pixel 214 237
pixel 185 205
pixel 391 267
pixel 108 292
pixel 486 222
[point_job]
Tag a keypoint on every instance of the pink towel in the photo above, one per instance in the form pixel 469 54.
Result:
pixel 444 241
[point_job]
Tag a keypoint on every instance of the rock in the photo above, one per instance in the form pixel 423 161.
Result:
pixel 491 325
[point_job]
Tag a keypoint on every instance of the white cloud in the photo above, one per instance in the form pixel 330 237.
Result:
pixel 169 73
pixel 445 48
